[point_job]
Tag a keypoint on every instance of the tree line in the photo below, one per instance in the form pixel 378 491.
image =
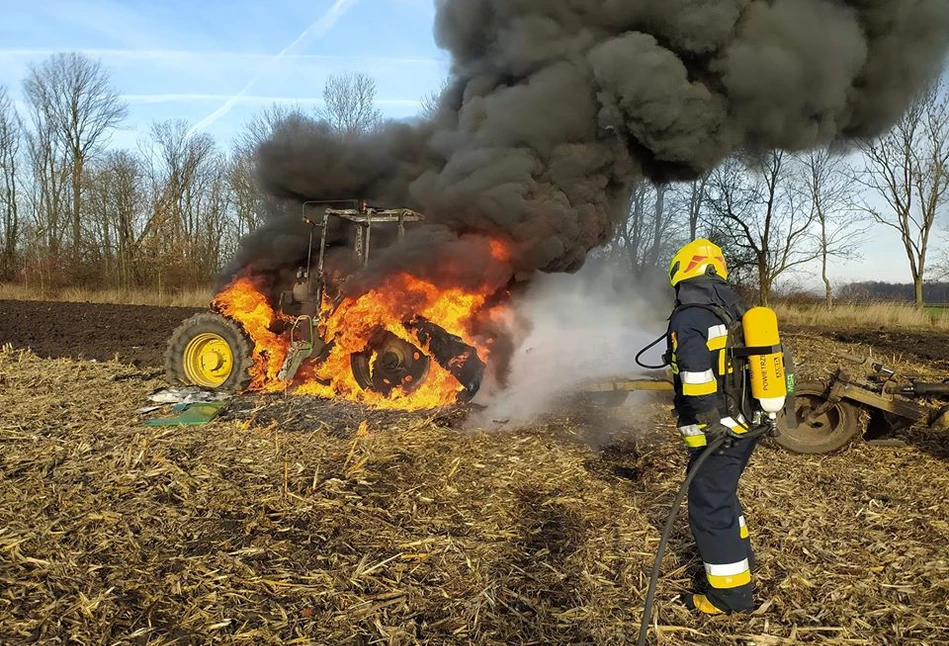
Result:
pixel 778 212
pixel 935 292
pixel 167 214
pixel 170 212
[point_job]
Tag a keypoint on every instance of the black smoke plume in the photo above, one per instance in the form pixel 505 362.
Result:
pixel 556 108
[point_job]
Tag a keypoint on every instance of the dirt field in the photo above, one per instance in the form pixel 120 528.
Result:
pixel 930 348
pixel 306 522
pixel 135 333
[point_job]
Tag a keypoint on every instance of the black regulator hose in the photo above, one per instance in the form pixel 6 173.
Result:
pixel 647 349
pixel 673 514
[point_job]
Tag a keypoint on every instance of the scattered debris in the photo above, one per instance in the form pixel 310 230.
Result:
pixel 192 414
pixel 186 395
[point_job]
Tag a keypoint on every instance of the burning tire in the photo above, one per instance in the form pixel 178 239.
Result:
pixel 821 427
pixel 389 362
pixel 209 351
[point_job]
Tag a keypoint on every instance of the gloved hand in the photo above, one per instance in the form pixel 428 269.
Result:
pixel 716 431
pixel 711 425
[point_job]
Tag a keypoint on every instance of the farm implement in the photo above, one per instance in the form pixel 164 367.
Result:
pixel 829 413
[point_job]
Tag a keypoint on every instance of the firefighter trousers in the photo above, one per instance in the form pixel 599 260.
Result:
pixel 718 526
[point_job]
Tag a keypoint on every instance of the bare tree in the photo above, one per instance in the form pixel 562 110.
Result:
pixel 245 195
pixel 247 199
pixel 432 102
pixel 831 194
pixel 50 175
pixel 908 169
pixel 10 140
pixel 628 238
pixel 176 162
pixel 350 104
pixel 118 203
pixel 215 238
pixel 645 237
pixel 690 200
pixel 73 96
pixel 661 223
pixel 261 126
pixel 754 206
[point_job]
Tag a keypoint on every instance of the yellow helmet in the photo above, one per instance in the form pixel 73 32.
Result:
pixel 698 258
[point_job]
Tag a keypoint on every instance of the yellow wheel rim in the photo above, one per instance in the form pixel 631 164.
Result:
pixel 208 360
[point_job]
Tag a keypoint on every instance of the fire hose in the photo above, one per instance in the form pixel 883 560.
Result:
pixel 710 450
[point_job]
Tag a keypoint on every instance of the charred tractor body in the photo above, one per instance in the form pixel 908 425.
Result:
pixel 213 351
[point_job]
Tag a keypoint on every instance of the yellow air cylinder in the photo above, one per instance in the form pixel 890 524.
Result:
pixel 768 384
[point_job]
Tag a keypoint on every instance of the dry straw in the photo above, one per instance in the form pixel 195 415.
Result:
pixel 394 529
pixel 187 297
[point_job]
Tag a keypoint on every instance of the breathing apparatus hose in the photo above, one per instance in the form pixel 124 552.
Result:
pixel 710 450
pixel 649 347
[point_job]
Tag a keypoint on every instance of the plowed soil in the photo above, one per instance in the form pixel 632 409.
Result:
pixel 136 334
pixel 926 346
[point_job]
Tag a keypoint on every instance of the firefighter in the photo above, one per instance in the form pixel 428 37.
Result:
pixel 698 333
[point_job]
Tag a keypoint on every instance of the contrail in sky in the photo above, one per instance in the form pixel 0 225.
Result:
pixel 317 30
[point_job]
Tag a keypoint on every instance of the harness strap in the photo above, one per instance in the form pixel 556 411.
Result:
pixel 744 353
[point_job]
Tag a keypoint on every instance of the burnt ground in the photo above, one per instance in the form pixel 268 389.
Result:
pixel 137 334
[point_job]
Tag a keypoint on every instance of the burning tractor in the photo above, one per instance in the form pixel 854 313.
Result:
pixel 320 341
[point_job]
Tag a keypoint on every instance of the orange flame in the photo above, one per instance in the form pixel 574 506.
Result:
pixel 401 298
pixel 243 302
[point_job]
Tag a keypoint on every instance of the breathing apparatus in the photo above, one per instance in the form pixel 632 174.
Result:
pixel 760 361
pixel 770 381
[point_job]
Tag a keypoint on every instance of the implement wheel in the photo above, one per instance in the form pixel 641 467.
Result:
pixel 827 430
pixel 209 351
pixel 389 362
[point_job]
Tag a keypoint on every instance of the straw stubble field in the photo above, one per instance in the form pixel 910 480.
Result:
pixel 343 526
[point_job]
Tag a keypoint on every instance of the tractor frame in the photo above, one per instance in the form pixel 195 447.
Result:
pixel 309 290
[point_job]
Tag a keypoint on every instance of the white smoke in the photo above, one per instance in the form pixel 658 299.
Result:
pixel 581 328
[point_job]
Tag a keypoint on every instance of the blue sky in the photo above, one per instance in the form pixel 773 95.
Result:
pixel 188 58
pixel 216 62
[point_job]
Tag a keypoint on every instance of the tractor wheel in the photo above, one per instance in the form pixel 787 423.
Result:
pixel 209 351
pixel 823 433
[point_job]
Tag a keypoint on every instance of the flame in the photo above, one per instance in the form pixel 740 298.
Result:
pixel 500 251
pixel 243 302
pixel 401 298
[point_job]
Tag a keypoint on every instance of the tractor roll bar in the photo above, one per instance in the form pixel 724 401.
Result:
pixel 362 215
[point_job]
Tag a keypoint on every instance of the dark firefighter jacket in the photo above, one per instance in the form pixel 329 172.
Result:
pixel 696 342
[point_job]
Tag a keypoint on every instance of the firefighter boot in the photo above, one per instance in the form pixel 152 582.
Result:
pixel 700 603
